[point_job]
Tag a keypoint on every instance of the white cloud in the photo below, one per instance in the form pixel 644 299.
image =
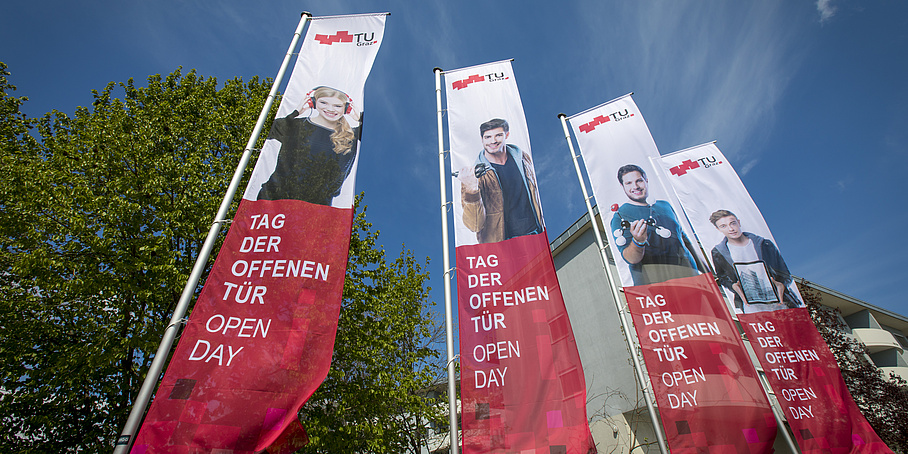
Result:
pixel 556 177
pixel 746 166
pixel 699 71
pixel 844 183
pixel 826 9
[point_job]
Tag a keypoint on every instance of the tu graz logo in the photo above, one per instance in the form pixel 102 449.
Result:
pixel 361 39
pixel 464 83
pixel 687 164
pixel 601 119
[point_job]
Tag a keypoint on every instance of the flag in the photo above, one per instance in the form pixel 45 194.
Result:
pixel 260 337
pixel 709 395
pixel 622 163
pixel 798 365
pixel 522 384
pixel 707 389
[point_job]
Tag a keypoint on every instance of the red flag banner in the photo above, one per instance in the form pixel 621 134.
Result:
pixel 808 383
pixel 522 385
pixel 658 261
pixel 709 394
pixel 798 365
pixel 260 337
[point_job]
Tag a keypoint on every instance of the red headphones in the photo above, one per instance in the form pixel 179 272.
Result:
pixel 348 108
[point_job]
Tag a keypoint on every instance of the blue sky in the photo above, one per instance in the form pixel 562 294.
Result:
pixel 807 99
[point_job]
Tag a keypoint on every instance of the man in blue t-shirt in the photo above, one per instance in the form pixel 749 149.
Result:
pixel 649 237
pixel 498 193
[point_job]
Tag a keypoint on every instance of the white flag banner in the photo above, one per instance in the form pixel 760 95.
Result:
pixel 648 234
pixel 325 91
pixel 740 246
pixel 488 115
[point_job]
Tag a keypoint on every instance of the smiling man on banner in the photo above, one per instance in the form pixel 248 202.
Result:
pixel 499 195
pixel 522 387
pixel 649 236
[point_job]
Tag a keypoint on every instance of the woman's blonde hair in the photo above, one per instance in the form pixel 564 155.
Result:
pixel 343 136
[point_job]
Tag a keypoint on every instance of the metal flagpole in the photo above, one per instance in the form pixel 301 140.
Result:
pixel 611 283
pixel 127 436
pixel 780 424
pixel 449 320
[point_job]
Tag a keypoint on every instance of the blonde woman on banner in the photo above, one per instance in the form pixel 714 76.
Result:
pixel 281 266
pixel 317 149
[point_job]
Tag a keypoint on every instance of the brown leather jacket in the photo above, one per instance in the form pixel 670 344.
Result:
pixel 483 210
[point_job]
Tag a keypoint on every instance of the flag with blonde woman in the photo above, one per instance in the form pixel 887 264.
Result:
pixel 260 337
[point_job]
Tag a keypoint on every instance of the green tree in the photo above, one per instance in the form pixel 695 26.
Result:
pixel 374 398
pixel 882 400
pixel 101 218
pixel 14 125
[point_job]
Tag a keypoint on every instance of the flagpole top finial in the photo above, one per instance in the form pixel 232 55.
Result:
pixel 306 13
pixel 437 70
